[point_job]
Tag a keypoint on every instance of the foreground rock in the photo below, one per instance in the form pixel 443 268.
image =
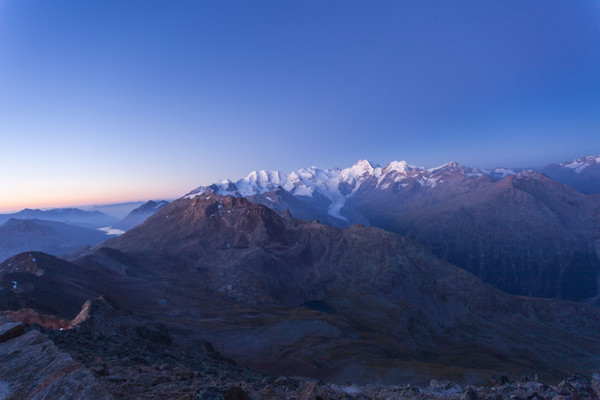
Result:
pixel 32 367
pixel 130 359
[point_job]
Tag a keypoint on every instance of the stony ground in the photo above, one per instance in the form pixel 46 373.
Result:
pixel 146 362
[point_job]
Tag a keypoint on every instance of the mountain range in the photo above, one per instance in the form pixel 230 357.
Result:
pixel 522 232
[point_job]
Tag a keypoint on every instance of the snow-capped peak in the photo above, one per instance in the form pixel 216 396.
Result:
pixel 399 166
pixel 453 166
pixel 361 169
pixel 449 166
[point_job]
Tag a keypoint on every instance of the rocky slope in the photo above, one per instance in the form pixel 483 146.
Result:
pixel 32 367
pixel 525 234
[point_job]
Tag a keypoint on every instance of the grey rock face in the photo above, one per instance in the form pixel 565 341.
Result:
pixel 10 330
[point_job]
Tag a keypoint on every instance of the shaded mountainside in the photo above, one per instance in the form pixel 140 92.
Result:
pixel 301 298
pixel 19 235
pixel 525 233
pixel 140 214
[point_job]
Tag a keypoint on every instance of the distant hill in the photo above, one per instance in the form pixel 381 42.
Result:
pixel 71 216
pixel 57 238
pixel 140 214
pixel 117 210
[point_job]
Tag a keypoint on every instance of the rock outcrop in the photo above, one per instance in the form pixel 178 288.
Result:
pixel 33 368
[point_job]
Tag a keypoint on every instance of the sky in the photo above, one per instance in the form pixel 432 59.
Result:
pixel 107 101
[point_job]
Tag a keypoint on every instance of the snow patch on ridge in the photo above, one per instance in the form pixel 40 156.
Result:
pixel 580 164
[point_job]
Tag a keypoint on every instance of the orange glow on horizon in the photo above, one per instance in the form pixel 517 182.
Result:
pixel 65 200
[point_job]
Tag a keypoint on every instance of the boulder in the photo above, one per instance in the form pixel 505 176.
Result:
pixel 10 330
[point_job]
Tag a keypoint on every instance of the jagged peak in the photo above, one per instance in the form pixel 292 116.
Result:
pixel 453 166
pixel 448 166
pixel 360 169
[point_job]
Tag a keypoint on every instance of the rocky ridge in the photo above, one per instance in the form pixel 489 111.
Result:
pixel 32 367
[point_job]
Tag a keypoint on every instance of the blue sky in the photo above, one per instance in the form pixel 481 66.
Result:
pixel 106 101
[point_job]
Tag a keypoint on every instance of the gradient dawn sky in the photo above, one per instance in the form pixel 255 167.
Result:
pixel 105 101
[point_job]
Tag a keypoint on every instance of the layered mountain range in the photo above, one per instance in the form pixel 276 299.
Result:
pixel 71 216
pixel 306 274
pixel 18 235
pixel 523 232
pixel 67 232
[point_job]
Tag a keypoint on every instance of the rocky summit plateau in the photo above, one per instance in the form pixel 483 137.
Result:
pixel 367 283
